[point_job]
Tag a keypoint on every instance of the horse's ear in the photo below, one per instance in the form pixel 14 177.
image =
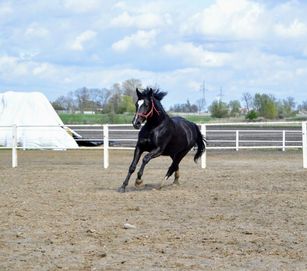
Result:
pixel 138 93
pixel 150 92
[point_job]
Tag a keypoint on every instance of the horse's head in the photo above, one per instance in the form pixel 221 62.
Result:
pixel 143 107
pixel 146 106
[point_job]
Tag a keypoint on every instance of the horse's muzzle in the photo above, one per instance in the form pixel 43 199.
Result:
pixel 137 125
pixel 137 122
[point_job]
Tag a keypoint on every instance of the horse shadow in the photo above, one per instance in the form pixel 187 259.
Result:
pixel 141 188
pixel 149 187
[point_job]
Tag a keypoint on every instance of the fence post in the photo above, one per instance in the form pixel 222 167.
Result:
pixel 203 158
pixel 283 140
pixel 14 146
pixel 105 146
pixel 304 143
pixel 237 140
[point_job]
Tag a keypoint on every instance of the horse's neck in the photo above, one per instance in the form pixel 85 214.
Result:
pixel 158 117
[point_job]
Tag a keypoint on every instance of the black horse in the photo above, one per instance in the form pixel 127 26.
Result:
pixel 161 135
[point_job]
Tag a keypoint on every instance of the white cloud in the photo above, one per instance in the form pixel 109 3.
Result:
pixel 81 39
pixel 196 55
pixel 11 67
pixel 14 67
pixel 141 39
pixel 145 7
pixel 5 10
pixel 42 69
pixel 228 18
pixel 28 55
pixel 237 44
pixel 194 85
pixel 248 20
pixel 141 21
pixel 296 29
pixel 36 31
pixel 81 6
pixel 120 5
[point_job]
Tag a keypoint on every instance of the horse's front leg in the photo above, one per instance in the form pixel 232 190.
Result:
pixel 153 154
pixel 137 154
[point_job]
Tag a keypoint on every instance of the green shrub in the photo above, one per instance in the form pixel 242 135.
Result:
pixel 218 109
pixel 251 115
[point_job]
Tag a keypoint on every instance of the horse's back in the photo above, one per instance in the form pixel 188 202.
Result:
pixel 184 135
pixel 181 124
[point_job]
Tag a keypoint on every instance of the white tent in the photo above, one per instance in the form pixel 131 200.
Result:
pixel 32 109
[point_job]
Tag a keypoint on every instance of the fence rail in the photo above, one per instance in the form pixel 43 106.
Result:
pixel 236 136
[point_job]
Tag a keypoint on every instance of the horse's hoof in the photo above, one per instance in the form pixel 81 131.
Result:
pixel 138 183
pixel 176 182
pixel 121 189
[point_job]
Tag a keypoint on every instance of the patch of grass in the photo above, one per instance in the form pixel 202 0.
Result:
pixel 119 118
pixel 127 118
pixel 96 119
pixel 298 118
pixel 198 118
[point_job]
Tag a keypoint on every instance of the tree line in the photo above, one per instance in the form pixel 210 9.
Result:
pixel 261 105
pixel 120 98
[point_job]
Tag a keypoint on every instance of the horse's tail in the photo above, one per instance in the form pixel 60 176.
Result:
pixel 201 144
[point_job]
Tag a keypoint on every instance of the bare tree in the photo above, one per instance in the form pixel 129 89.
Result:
pixel 286 107
pixel 129 87
pixel 115 99
pixel 64 103
pixel 99 98
pixel 303 106
pixel 185 108
pixel 248 100
pixel 82 97
pixel 103 96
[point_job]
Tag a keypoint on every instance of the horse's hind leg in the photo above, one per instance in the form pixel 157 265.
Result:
pixel 176 180
pixel 174 168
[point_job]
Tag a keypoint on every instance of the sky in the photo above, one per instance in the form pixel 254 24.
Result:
pixel 232 46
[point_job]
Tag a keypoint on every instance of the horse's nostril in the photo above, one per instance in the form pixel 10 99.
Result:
pixel 137 125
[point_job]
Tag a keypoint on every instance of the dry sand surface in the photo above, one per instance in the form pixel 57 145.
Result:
pixel 59 210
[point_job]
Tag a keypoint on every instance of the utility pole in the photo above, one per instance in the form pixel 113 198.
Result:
pixel 221 94
pixel 203 90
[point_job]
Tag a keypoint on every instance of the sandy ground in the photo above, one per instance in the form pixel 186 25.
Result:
pixel 61 211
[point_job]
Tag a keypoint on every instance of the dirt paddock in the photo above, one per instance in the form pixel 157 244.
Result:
pixel 60 211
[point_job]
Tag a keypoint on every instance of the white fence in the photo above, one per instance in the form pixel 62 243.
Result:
pixel 263 135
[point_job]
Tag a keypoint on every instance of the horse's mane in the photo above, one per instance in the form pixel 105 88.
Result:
pixel 154 92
